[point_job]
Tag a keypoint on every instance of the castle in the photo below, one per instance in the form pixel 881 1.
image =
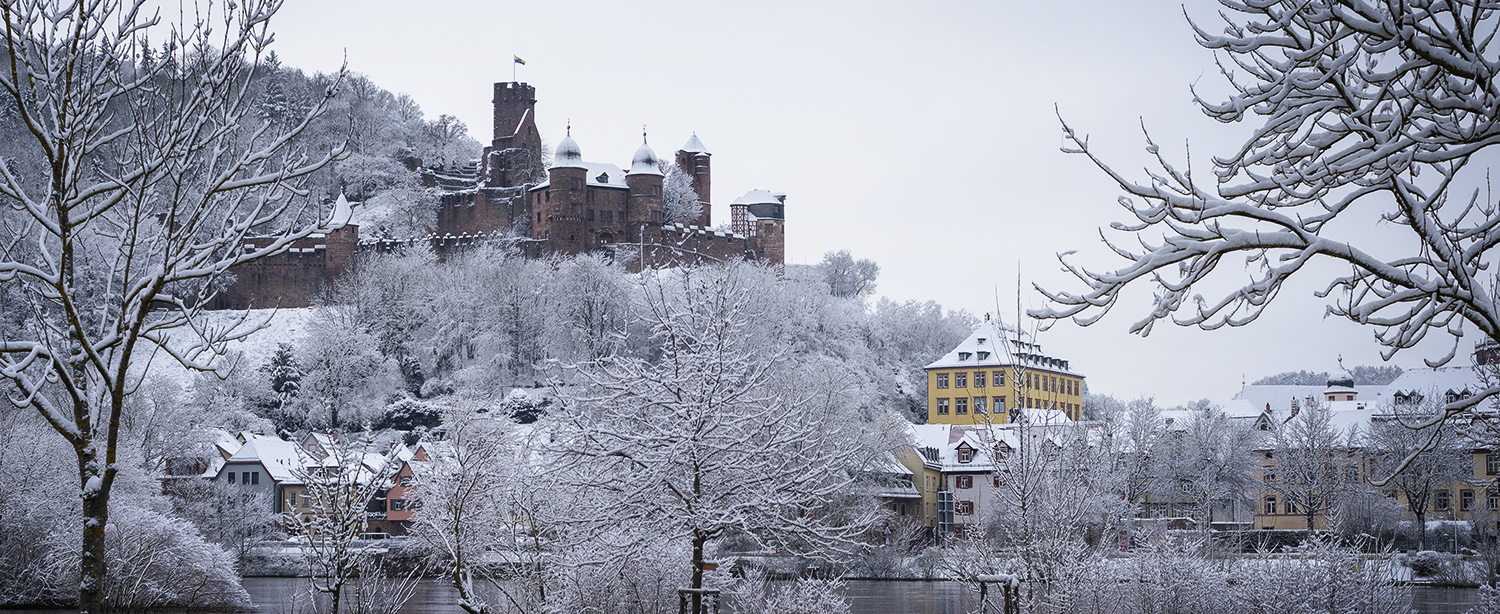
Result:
pixel 571 207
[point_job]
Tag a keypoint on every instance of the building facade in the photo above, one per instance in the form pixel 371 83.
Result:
pixel 996 371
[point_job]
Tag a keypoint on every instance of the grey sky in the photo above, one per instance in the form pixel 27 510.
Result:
pixel 921 135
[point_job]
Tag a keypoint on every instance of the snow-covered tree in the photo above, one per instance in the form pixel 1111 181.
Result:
pixel 339 482
pixel 846 276
pixel 342 371
pixel 149 184
pixel 1444 459
pixel 1361 115
pixel 704 438
pixel 1310 466
pixel 679 202
pixel 1207 464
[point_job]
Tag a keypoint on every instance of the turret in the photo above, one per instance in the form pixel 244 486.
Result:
pixel 643 212
pixel 560 218
pixel 761 215
pixel 693 159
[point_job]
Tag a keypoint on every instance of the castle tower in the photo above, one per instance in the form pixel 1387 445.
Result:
pixel 761 215
pixel 643 211
pixel 693 159
pixel 517 146
pixel 559 219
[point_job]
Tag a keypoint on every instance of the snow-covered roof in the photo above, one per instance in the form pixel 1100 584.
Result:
pixel 342 212
pixel 598 174
pixel 759 197
pixel 1279 398
pixel 947 439
pixel 694 145
pixel 1425 382
pixel 282 459
pixel 568 155
pixel 645 162
pixel 993 344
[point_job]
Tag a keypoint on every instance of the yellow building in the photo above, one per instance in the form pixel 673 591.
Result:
pixel 995 371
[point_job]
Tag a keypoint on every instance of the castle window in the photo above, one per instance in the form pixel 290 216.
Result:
pixel 578 184
pixel 548 198
pixel 656 216
pixel 591 215
pixel 590 196
pixel 603 178
pixel 656 190
pixel 609 216
pixel 941 403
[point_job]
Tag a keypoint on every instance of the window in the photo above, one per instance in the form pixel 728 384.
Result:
pixel 1491 464
pixel 590 215
pixel 656 190
pixel 965 455
pixel 979 379
pixel 961 406
pixel 590 196
pixel 942 380
pixel 996 480
pixel 398 505
pixel 960 380
pixel 1440 501
pixel 609 216
pixel 406 480
pixel 999 403
pixel 978 405
pixel 1291 508
pixel 578 184
pixel 1270 478
pixel 999 378
pixel 231 477
pixel 1494 499
pixel 1029 403
pixel 963 481
pixel 1270 509
pixel 656 216
pixel 963 355
pixel 255 477
pixel 1465 500
pixel 245 478
pixel 984 355
pixel 963 508
pixel 942 407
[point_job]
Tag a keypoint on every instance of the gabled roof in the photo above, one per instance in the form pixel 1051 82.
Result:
pixel 282 459
pixel 994 344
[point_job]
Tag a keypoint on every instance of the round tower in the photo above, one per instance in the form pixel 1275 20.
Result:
pixel 643 210
pixel 693 159
pixel 560 218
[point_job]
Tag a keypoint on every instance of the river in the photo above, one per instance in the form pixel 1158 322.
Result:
pixel 273 596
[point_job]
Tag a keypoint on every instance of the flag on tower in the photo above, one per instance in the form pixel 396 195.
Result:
pixel 519 60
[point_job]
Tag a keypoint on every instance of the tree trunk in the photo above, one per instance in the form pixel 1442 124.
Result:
pixel 698 540
pixel 1421 531
pixel 92 568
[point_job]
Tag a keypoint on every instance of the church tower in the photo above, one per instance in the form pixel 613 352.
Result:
pixel 693 159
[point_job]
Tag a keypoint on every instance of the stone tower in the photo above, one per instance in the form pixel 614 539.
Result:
pixel 644 210
pixel 761 215
pixel 515 153
pixel 559 219
pixel 693 159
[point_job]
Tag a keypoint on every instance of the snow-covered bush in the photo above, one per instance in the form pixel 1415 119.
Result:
pixel 409 414
pixel 1324 579
pixel 755 594
pixel 1425 563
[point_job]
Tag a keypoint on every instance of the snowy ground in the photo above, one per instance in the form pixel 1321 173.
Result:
pixel 280 326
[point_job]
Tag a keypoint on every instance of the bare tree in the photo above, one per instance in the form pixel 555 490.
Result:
pixel 1443 461
pixel 154 178
pixel 707 438
pixel 1310 465
pixel 1365 114
pixel 847 277
pixel 1208 463
pixel 331 513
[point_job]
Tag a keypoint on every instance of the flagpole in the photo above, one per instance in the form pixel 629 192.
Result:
pixel 513 71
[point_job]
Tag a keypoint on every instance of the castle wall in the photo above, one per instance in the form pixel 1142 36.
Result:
pixel 293 278
pixel 482 210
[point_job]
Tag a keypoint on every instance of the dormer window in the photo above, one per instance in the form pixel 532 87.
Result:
pixel 965 454
pixel 984 355
pixel 981 341
pixel 964 355
pixel 602 178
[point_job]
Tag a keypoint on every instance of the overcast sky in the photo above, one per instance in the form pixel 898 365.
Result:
pixel 920 135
